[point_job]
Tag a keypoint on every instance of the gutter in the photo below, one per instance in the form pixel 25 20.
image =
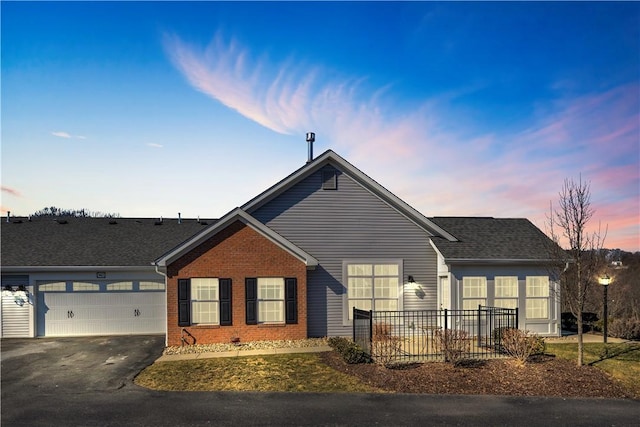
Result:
pixel 44 268
pixel 166 288
pixel 486 261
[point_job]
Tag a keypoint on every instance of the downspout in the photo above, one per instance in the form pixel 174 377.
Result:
pixel 166 287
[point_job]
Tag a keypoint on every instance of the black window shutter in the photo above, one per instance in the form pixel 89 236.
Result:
pixel 251 293
pixel 184 302
pixel 226 318
pixel 291 300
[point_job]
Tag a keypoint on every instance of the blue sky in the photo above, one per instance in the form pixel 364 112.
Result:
pixel 148 109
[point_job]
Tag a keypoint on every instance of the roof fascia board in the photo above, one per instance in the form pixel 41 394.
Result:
pixel 363 179
pixel 237 214
pixel 494 261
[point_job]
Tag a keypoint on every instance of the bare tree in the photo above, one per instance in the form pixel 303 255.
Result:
pixel 583 258
pixel 75 213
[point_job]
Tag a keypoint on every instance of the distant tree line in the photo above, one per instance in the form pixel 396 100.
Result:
pixel 54 211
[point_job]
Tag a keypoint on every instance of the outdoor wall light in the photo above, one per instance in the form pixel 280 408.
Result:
pixel 410 279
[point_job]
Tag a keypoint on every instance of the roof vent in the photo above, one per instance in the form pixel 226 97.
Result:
pixel 62 221
pixel 311 137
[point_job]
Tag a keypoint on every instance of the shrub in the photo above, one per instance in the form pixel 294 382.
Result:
pixel 628 329
pixel 349 350
pixel 385 347
pixel 455 345
pixel 522 344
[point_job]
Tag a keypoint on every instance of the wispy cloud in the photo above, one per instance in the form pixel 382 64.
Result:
pixel 154 145
pixel 67 135
pixel 11 191
pixel 413 149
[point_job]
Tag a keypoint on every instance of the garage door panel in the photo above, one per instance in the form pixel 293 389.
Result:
pixel 102 313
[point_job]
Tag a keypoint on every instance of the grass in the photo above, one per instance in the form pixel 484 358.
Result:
pixel 302 372
pixel 621 361
pixel 305 372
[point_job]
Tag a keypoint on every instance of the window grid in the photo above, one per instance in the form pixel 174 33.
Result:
pixel 372 287
pixel 205 301
pixel 537 291
pixel 271 300
pixel 506 292
pixel 474 292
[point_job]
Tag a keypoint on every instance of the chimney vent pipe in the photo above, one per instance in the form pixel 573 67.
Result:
pixel 311 137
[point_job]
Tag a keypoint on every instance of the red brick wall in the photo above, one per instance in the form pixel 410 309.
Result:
pixel 236 252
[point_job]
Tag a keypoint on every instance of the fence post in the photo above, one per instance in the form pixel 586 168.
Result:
pixel 479 325
pixel 446 320
pixel 370 327
pixel 353 323
pixel 517 317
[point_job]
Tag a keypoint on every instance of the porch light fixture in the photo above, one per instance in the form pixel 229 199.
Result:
pixel 605 281
pixel 410 280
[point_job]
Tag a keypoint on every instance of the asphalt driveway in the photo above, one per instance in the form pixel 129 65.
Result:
pixel 88 382
pixel 74 365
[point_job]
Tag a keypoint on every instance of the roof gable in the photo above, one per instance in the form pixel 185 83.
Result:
pixel 329 157
pixel 230 218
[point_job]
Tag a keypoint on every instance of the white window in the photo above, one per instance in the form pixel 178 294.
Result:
pixel 151 286
pixel 506 291
pixel 474 292
pixel 271 300
pixel 373 287
pixel 47 286
pixel 205 301
pixel 120 286
pixel 537 297
pixel 86 286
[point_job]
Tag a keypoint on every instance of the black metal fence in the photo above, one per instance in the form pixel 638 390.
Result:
pixel 433 334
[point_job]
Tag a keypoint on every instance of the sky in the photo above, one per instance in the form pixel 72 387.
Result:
pixel 147 109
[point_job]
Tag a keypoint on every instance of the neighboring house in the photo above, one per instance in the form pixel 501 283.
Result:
pixel 294 261
pixel 85 276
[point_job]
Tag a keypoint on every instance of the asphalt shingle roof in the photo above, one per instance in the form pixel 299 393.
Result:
pixel 45 241
pixel 483 238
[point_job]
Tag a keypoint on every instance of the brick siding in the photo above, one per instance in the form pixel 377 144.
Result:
pixel 236 252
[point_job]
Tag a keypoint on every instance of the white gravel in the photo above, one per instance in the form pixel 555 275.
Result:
pixel 253 345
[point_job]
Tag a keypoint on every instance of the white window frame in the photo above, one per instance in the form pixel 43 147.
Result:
pixel 378 288
pixel 537 297
pixel 505 291
pixel 474 292
pixel 200 301
pixel 271 296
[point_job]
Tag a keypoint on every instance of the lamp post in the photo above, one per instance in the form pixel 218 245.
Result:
pixel 605 281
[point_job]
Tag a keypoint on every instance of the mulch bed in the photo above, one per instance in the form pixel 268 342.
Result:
pixel 544 375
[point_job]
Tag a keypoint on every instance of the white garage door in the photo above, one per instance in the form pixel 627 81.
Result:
pixel 93 308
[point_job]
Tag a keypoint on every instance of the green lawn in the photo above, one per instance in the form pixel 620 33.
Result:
pixel 302 372
pixel 621 361
pixel 305 372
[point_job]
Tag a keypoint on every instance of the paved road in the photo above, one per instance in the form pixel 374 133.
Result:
pixel 88 382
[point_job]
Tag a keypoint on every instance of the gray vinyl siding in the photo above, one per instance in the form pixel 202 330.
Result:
pixel 546 327
pixel 346 224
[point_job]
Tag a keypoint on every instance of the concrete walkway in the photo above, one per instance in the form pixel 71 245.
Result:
pixel 240 352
